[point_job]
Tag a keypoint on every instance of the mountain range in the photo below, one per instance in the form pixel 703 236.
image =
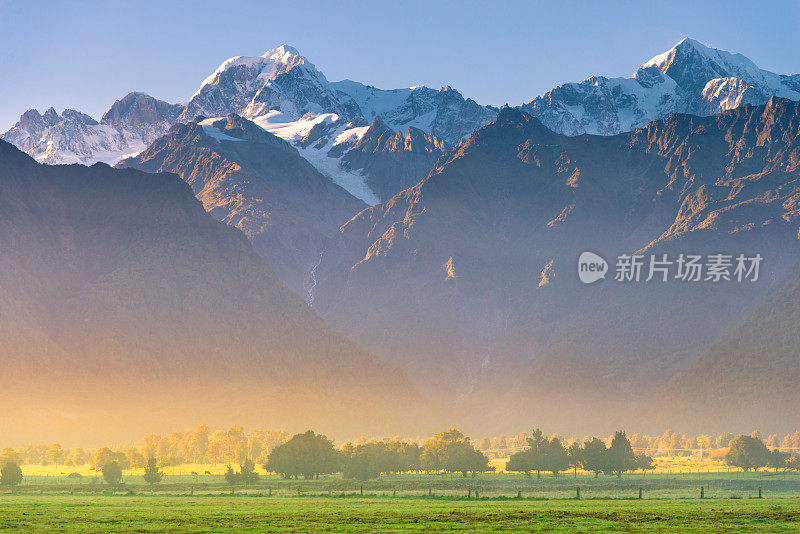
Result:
pixel 280 91
pixel 689 78
pixel 287 95
pixel 434 241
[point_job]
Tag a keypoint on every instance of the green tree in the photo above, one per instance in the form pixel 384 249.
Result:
pixel 520 462
pixel 112 473
pixel 619 456
pixel 10 475
pixel 778 459
pixel 247 472
pixel 361 465
pixel 556 458
pixel 231 476
pixel 152 475
pixel 644 462
pixel 542 454
pixel 747 453
pixel 593 456
pixel 307 454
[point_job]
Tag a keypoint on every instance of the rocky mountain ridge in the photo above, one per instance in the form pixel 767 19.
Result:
pixel 248 178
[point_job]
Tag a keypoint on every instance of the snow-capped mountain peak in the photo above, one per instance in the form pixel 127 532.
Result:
pixel 692 65
pixel 267 66
pixel 688 78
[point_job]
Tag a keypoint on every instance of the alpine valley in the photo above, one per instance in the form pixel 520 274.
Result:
pixel 433 239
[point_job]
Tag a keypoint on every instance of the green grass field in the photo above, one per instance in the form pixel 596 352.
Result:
pixel 245 513
pixel 49 502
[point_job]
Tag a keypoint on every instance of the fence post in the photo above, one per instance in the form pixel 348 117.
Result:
pixel 476 494
pixel 759 492
pixel 469 494
pixel 640 492
pixel 702 492
pixel 577 493
pixel 362 490
pixel 519 494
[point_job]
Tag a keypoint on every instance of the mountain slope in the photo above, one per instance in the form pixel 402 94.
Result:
pixel 689 78
pixel 471 271
pixel 125 306
pixel 248 178
pixel 749 378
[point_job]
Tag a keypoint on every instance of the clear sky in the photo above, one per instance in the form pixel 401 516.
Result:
pixel 86 54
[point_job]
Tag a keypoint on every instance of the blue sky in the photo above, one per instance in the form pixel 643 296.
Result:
pixel 85 55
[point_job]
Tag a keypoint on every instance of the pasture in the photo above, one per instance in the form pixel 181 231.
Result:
pixel 50 502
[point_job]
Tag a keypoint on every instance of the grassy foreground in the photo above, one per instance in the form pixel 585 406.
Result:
pixel 246 513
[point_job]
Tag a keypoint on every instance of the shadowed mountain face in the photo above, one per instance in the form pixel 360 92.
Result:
pixel 392 161
pixel 471 274
pixel 750 376
pixel 253 180
pixel 125 308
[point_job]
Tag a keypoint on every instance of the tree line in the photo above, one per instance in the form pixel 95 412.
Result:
pixel 310 455
pixel 550 455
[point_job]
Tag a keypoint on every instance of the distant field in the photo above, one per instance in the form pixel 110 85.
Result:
pixel 50 502
pixel 659 485
pixel 172 513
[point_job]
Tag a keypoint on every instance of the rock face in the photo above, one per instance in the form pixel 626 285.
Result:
pixel 470 274
pixel 126 307
pixel 390 160
pixel 257 182
pixel 689 78
pixel 141 113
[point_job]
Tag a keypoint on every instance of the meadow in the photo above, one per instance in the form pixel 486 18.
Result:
pixel 50 502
